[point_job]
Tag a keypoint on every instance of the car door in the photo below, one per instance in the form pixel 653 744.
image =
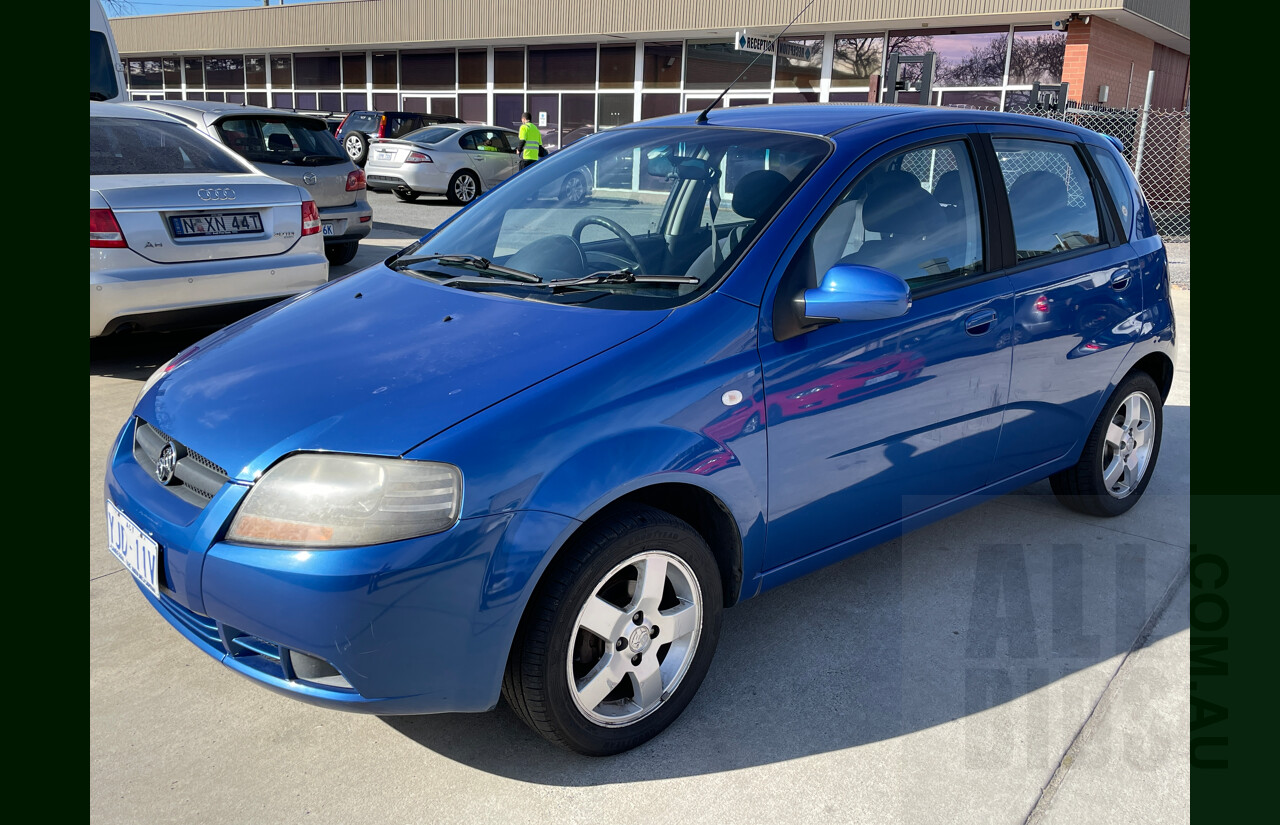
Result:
pixel 1077 295
pixel 872 421
pixel 486 158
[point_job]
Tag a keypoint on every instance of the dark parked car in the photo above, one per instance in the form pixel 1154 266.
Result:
pixel 364 125
pixel 535 455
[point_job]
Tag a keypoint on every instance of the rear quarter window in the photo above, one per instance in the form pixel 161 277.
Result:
pixel 1119 185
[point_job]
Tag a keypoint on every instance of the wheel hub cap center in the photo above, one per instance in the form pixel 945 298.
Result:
pixel 639 640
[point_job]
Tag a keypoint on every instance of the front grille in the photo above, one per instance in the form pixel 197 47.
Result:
pixel 195 478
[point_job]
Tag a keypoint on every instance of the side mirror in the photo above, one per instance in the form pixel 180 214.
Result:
pixel 856 293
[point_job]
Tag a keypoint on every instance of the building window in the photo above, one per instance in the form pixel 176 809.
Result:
pixel 257 98
pixel 145 73
pixel 473 69
pixel 508 69
pixel 172 72
pixel 474 108
pixel 193 68
pixel 615 110
pixel 972 100
pixel 618 66
pixel 657 105
pixel 282 100
pixel 854 58
pixel 351 101
pixel 434 69
pixel 714 64
pixel 965 57
pixel 662 65
pixel 1037 56
pixel 255 70
pixel 224 72
pixel 799 64
pixel 562 67
pixel 282 70
pixel 384 101
pixel 353 74
pixel 317 71
pixel 386 70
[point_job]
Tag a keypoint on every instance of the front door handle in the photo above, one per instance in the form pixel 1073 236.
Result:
pixel 979 323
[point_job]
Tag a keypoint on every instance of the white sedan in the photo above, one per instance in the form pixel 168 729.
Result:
pixel 458 160
pixel 182 228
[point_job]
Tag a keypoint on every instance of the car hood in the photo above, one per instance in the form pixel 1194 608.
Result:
pixel 374 363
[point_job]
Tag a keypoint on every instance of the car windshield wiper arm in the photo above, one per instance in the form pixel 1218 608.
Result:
pixel 621 276
pixel 475 262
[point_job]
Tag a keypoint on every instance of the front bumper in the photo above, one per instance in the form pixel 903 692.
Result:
pixel 416 626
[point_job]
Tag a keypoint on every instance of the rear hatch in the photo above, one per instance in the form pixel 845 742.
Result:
pixel 212 217
pixel 299 150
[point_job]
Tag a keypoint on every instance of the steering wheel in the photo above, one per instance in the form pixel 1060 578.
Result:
pixel 632 247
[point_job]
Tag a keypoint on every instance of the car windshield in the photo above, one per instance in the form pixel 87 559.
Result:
pixel 133 146
pixel 430 135
pixel 270 139
pixel 675 207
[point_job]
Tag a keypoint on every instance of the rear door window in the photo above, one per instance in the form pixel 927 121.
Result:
pixel 1050 197
pixel 281 140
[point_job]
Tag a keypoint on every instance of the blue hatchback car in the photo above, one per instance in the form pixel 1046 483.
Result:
pixel 537 453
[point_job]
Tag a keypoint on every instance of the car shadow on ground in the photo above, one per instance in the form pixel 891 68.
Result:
pixel 1008 601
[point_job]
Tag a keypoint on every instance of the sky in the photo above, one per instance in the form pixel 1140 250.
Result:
pixel 123 8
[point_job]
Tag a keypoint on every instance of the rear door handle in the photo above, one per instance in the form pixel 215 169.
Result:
pixel 1120 278
pixel 980 322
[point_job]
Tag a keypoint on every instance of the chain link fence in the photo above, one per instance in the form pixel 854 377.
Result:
pixel 1157 146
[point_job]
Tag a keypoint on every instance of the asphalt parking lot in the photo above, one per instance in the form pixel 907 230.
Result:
pixel 1016 662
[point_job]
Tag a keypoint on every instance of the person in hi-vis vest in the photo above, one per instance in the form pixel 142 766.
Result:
pixel 530 141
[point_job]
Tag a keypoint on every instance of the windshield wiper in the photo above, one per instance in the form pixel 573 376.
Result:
pixel 620 276
pixel 480 265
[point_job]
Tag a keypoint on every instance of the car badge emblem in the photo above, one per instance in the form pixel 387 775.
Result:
pixel 309 179
pixel 216 194
pixel 166 464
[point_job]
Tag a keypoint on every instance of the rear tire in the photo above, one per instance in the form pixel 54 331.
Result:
pixel 406 194
pixel 341 253
pixel 1120 453
pixel 463 188
pixel 574 189
pixel 618 635
pixel 357 147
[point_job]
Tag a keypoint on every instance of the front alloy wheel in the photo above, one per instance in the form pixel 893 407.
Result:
pixel 619 634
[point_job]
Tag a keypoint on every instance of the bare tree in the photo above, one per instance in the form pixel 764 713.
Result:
pixel 119 7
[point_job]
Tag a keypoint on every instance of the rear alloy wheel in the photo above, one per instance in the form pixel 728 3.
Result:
pixel 341 253
pixel 574 189
pixel 357 146
pixel 619 635
pixel 1120 453
pixel 464 188
pixel 406 194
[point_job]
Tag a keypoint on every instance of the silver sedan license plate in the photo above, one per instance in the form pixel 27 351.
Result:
pixel 136 550
pixel 225 223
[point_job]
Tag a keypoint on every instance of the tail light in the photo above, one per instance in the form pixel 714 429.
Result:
pixel 355 180
pixel 338 131
pixel 310 218
pixel 104 231
pixel 382 126
pixel 418 157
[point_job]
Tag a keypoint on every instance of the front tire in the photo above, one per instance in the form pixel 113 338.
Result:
pixel 619 635
pixel 1120 453
pixel 574 190
pixel 463 188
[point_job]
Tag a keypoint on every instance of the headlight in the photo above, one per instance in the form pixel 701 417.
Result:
pixel 328 500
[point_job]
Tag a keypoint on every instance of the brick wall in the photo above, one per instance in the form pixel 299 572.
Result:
pixel 1102 53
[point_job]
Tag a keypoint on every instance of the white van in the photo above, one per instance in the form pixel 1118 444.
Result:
pixel 106 74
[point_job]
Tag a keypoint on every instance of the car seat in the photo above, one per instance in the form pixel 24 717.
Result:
pixel 908 220
pixel 754 197
pixel 279 143
pixel 1041 213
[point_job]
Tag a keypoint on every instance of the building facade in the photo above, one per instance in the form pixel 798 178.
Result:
pixel 585 65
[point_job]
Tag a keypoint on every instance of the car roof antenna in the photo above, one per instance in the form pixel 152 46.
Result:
pixel 702 118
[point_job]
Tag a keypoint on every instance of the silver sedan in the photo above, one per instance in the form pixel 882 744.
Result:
pixel 180 227
pixel 458 160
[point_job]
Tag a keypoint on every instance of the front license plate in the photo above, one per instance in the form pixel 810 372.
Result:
pixel 225 223
pixel 326 229
pixel 136 551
